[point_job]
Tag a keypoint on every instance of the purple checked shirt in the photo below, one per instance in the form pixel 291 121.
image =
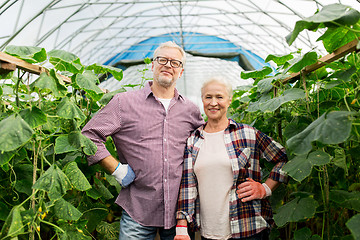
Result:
pixel 152 141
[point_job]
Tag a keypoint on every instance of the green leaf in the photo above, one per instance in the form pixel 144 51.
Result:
pixel 265 85
pixel 34 116
pixel 87 81
pixel 108 231
pixel 5 157
pixel 27 53
pixel 256 73
pixel 4 211
pixel 94 213
pixel 73 142
pixel 113 182
pixel 300 166
pixel 100 187
pixel 306 60
pixel 82 142
pixel 50 83
pixel 296 210
pixel 13 225
pixel 350 17
pixel 279 59
pixel 302 234
pixel 62 145
pixel 16 155
pixel 299 27
pixel 340 77
pixel 77 178
pixel 104 69
pixel 65 61
pixel 108 96
pixel 353 225
pixel 330 128
pixel 334 38
pixel 287 96
pixel 14 132
pixel 345 75
pixel 294 128
pixel 334 12
pixel 345 199
pixel 53 181
pixel 68 109
pixel 74 234
pixel 340 160
pixel 66 211
pixel 25 182
pixel 93 193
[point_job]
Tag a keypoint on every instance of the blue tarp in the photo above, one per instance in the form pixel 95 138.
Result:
pixel 192 41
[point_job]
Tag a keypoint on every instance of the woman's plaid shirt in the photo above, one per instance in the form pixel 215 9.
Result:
pixel 245 146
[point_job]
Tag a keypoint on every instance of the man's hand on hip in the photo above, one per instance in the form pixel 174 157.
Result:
pixel 124 174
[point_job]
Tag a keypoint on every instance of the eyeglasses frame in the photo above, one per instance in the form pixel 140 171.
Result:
pixel 168 60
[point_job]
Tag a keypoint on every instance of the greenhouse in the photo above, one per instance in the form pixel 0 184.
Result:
pixel 71 78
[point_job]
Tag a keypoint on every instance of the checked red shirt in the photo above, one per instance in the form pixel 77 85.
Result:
pixel 245 146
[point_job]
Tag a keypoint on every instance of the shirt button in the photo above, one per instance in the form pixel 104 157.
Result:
pixel 165 180
pixel 164 139
pixel 165 159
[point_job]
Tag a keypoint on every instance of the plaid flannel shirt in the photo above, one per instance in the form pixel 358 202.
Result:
pixel 245 146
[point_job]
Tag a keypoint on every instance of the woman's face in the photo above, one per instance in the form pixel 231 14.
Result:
pixel 216 101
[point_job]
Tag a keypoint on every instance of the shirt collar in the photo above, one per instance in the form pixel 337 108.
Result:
pixel 199 130
pixel 148 91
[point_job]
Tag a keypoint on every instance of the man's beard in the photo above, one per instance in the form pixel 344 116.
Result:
pixel 165 82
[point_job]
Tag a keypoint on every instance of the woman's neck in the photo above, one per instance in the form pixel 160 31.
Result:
pixel 216 125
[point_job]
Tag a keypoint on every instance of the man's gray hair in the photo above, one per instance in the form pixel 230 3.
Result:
pixel 221 80
pixel 171 44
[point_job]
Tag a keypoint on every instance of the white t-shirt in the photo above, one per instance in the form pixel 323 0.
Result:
pixel 165 102
pixel 215 179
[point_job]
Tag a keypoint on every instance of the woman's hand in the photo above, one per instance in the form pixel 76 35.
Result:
pixel 181 230
pixel 250 190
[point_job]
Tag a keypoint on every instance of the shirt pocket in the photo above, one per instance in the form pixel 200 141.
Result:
pixel 243 156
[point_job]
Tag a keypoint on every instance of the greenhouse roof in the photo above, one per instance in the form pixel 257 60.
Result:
pixel 125 31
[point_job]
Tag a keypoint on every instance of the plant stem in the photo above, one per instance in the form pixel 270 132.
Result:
pixel 323 197
pixel 53 225
pixel 327 193
pixel 306 92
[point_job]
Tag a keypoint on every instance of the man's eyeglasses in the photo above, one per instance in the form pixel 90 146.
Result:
pixel 173 63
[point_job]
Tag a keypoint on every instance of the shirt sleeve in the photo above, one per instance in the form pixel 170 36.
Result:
pixel 198 119
pixel 188 190
pixel 104 123
pixel 273 152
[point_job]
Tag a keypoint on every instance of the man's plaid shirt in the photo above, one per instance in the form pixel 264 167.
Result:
pixel 245 146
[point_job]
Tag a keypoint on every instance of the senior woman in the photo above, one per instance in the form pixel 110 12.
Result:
pixel 221 191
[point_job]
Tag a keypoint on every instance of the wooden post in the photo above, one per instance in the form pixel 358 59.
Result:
pixel 21 64
pixel 6 67
pixel 338 53
pixel 9 63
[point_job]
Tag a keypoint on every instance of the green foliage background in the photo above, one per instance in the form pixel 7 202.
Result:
pixel 316 117
pixel 47 190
